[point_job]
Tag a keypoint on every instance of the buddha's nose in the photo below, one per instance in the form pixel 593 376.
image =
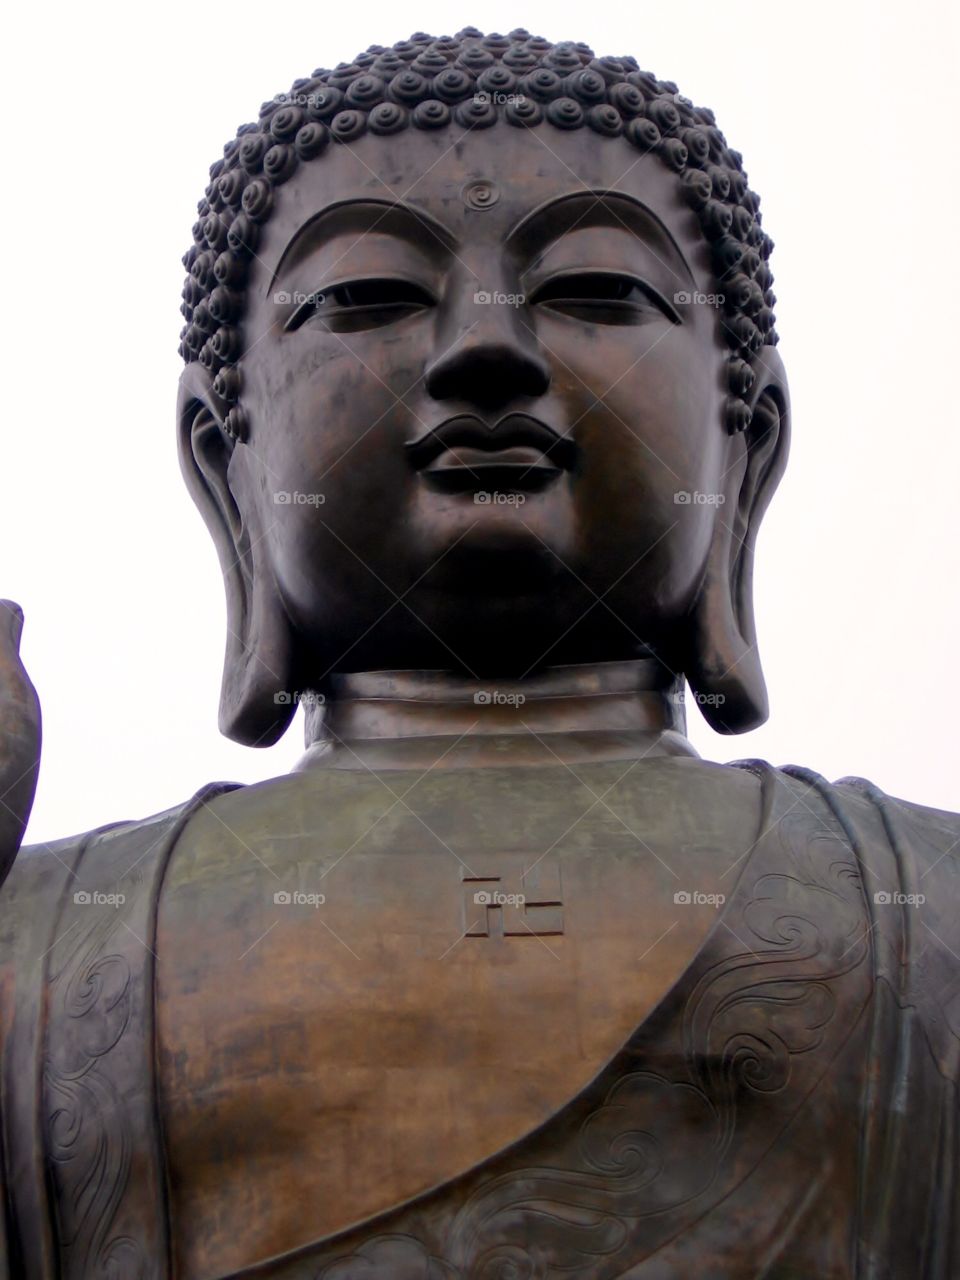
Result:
pixel 491 364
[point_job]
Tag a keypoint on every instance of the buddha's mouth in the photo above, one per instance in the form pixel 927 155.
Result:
pixel 518 454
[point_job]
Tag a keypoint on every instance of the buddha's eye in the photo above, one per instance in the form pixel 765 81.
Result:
pixel 359 304
pixel 604 297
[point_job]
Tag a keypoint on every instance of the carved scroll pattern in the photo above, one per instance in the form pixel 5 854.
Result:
pixel 87 1128
pixel 105 1170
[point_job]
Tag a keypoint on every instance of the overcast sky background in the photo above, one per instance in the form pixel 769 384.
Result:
pixel 847 119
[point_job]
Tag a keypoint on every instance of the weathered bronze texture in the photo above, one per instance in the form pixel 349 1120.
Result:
pixel 482 406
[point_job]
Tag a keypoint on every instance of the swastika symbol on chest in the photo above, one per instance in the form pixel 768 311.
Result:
pixel 516 895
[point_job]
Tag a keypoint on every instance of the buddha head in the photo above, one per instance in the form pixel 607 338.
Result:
pixel 481 374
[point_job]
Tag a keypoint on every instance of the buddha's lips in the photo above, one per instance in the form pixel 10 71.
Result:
pixel 516 441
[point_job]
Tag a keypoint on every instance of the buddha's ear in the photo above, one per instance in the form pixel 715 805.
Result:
pixel 723 666
pixel 255 703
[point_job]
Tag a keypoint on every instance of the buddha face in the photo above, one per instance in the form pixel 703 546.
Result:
pixel 484 381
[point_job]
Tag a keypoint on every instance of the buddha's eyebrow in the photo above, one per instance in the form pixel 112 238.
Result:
pixel 537 230
pixel 359 218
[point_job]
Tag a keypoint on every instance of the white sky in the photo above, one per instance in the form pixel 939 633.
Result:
pixel 846 117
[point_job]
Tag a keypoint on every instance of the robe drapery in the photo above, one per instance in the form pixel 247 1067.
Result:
pixel 788 1109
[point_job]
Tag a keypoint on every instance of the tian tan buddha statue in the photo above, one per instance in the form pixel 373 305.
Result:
pixel 482 407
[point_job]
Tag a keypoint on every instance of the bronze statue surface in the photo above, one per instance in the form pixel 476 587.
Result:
pixel 482 406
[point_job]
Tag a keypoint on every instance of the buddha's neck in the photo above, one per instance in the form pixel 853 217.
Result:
pixel 427 719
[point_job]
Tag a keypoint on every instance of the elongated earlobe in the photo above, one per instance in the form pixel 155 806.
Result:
pixel 723 663
pixel 254 695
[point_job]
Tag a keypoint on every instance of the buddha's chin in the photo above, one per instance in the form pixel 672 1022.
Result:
pixel 493 542
pixel 494 557
pixel 513 635
pixel 498 600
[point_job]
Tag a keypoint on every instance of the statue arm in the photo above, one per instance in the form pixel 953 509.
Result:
pixel 19 737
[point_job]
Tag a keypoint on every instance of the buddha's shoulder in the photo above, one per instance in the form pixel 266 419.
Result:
pixel 49 865
pixel 323 793
pixel 930 835
pixel 233 809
